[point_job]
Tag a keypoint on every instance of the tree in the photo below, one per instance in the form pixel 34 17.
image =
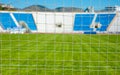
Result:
pixel 0 7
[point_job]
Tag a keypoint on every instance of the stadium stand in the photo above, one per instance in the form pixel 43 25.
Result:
pixel 104 20
pixel 86 23
pixel 27 18
pixel 83 22
pixel 6 21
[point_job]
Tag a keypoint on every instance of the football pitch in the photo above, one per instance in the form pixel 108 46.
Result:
pixel 59 54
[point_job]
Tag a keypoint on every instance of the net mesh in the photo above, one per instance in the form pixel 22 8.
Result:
pixel 52 51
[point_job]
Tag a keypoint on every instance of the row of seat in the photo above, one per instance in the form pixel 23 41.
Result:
pixel 83 21
pixel 6 21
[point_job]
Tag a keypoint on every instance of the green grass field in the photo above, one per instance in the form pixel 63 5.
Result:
pixel 59 54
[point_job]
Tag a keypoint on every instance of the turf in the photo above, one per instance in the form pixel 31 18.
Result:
pixel 59 54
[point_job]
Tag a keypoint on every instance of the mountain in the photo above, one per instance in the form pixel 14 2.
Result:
pixel 68 9
pixel 36 8
pixel 59 9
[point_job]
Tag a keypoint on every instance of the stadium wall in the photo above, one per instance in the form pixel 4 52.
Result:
pixel 1 30
pixel 47 22
pixel 115 24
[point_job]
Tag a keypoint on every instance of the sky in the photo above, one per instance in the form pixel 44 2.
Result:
pixel 97 4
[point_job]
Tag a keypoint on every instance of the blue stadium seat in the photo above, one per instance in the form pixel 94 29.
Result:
pixel 6 21
pixel 83 22
pixel 104 20
pixel 27 18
